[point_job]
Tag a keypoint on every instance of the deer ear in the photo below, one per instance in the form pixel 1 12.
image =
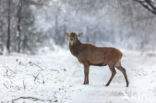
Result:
pixel 80 34
pixel 67 34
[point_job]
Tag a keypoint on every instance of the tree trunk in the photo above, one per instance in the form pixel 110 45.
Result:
pixel 56 29
pixel 19 26
pixel 9 20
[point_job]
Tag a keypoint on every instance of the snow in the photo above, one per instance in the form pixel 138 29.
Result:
pixel 57 77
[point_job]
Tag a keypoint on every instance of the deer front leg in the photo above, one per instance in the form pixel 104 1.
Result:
pixel 86 74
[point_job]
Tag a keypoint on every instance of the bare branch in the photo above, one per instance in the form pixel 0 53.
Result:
pixel 36 77
pixel 31 98
pixel 38 66
pixel 147 4
pixel 151 4
pixel 24 86
pixel 5 85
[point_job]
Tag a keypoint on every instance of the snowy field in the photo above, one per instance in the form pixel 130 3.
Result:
pixel 57 77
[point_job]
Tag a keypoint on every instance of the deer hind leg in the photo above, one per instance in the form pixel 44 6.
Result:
pixel 123 70
pixel 86 74
pixel 112 76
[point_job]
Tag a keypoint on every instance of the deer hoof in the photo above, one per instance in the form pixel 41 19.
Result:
pixel 127 85
pixel 107 85
pixel 85 83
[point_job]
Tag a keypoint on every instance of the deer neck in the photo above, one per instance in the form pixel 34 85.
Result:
pixel 74 47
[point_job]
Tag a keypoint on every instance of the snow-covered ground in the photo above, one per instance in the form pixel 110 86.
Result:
pixel 57 77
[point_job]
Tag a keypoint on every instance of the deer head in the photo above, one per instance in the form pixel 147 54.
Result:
pixel 73 37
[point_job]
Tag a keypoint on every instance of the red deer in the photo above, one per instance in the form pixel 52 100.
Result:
pixel 88 54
